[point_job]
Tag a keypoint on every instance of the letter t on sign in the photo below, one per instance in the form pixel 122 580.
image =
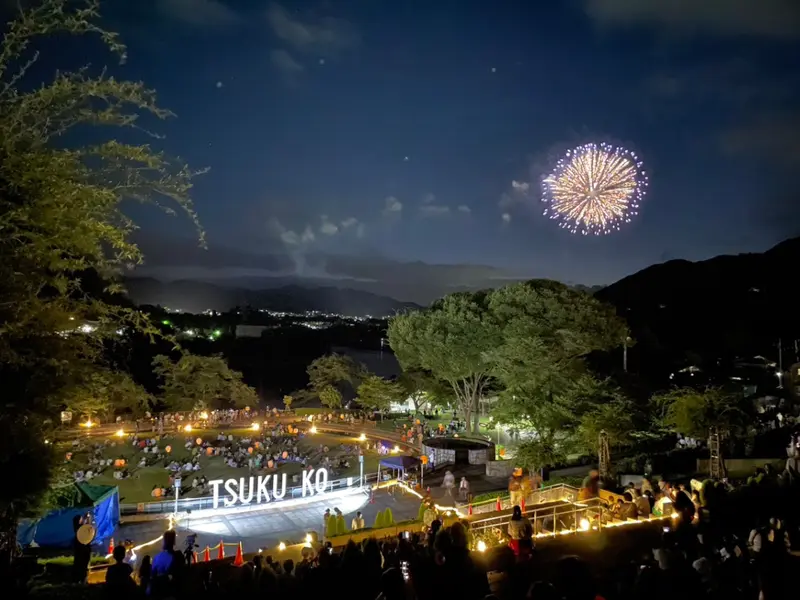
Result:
pixel 215 486
pixel 307 484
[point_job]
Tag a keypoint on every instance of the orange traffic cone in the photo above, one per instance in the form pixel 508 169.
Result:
pixel 111 546
pixel 499 506
pixel 221 551
pixel 207 554
pixel 522 504
pixel 239 560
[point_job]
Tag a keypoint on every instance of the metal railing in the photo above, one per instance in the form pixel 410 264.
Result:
pixel 165 507
pixel 553 493
pixel 553 518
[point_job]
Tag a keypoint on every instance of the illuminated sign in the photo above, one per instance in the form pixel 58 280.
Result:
pixel 256 490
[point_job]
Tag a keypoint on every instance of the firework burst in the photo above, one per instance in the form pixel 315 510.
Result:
pixel 594 189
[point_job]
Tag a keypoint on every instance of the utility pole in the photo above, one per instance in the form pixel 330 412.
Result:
pixel 625 345
pixel 716 466
pixel 603 456
pixel 625 356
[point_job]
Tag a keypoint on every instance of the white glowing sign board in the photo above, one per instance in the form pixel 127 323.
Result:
pixel 265 488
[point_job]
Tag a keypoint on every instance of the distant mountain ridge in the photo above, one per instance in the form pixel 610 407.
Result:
pixel 197 296
pixel 722 306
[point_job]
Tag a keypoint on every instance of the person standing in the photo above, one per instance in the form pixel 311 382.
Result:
pixel 358 522
pixel 167 569
pixel 520 531
pixel 463 489
pixel 119 583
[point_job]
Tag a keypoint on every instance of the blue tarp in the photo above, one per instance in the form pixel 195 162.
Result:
pixel 56 529
pixel 400 462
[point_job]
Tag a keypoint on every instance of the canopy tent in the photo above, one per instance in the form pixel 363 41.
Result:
pixel 56 529
pixel 402 463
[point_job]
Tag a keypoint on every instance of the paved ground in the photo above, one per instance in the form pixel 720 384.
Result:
pixel 479 483
pixel 267 527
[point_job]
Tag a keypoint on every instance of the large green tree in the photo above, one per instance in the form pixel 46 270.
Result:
pixel 330 397
pixel 103 393
pixel 699 413
pixel 378 393
pixel 547 331
pixel 61 220
pixel 423 389
pixel 201 382
pixel 694 412
pixel 450 340
pixel 335 370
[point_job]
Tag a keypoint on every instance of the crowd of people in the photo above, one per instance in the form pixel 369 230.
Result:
pixel 691 560
pixel 266 448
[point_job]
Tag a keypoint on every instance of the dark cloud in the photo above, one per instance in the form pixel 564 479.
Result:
pixel 285 62
pixel 772 137
pixel 771 140
pixel 311 34
pixel 408 281
pixel 202 14
pixel 769 19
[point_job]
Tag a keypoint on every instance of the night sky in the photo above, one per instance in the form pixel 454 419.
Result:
pixel 347 137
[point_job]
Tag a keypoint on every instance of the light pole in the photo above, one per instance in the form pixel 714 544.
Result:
pixel 627 341
pixel 177 494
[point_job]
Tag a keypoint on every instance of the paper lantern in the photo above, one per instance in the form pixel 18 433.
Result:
pixel 270 463
pixel 168 449
pixel 209 451
pixel 285 455
pixel 250 450
pixel 199 441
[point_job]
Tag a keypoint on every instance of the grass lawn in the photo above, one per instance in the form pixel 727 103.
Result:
pixel 138 487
